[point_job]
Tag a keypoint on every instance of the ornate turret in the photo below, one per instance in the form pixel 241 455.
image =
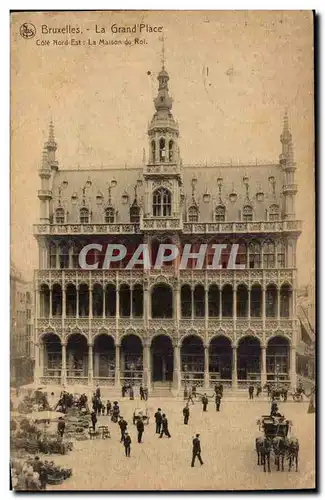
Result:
pixel 51 147
pixel 289 167
pixel 45 194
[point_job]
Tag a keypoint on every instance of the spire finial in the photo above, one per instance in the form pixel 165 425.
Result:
pixel 45 162
pixel 162 39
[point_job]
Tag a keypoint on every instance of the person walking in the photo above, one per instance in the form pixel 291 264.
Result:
pixel 127 444
pixel 186 413
pixel 190 396
pixel 140 428
pixel 141 393
pixel 98 391
pixel 61 427
pixel 251 391
pixel 205 402
pixel 93 419
pixel 158 419
pixel 196 450
pixel 258 390
pixel 145 393
pixel 164 425
pixel 122 425
pixel 108 407
pixel 218 401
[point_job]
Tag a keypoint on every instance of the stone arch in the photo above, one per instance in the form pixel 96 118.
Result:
pixel 192 358
pixel 77 354
pixel 51 352
pixel 278 357
pixel 131 352
pixel 248 357
pixel 220 358
pixel 161 348
pixel 162 295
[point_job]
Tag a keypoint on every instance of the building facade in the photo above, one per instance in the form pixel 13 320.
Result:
pixel 21 329
pixel 171 325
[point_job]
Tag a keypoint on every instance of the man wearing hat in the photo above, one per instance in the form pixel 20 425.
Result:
pixel 123 425
pixel 127 444
pixel 196 452
pixel 158 418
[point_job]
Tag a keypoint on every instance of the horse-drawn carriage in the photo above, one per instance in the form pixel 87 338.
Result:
pixel 276 440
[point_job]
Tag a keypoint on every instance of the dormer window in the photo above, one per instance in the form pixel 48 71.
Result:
pixel 193 214
pixel 134 214
pixel 162 203
pixel 274 213
pixel 84 216
pixel 247 213
pixel 220 213
pixel 162 150
pixel 59 216
pixel 109 215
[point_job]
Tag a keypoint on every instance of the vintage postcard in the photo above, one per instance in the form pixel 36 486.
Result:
pixel 162 251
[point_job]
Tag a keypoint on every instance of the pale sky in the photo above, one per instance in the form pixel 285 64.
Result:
pixel 101 100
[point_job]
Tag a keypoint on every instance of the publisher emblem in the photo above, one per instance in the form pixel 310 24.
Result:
pixel 27 30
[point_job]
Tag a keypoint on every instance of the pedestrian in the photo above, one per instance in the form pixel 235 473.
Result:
pixel 122 425
pixel 123 390
pixel 115 411
pixel 196 451
pixel 61 427
pixel 285 393
pixel 186 413
pixel 258 390
pixel 194 391
pixel 131 393
pixel 218 401
pixel 274 409
pixel 251 391
pixel 164 425
pixel 205 402
pixel 141 393
pixel 158 419
pixel 98 391
pixel 108 407
pixel 190 398
pixel 145 393
pixel 93 419
pixel 140 428
pixel 127 444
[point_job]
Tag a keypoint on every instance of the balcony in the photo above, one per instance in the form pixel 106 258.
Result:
pixel 84 229
pixel 242 227
pixel 158 223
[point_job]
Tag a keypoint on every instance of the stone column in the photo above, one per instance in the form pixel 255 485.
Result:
pixel 249 303
pixel 146 365
pixel 57 258
pixel 64 364
pixel 278 303
pixel 90 301
pixel 70 265
pixel 177 370
pixel 77 300
pixel 64 299
pixel 90 364
pixel 293 371
pixel 263 366
pixel 206 368
pixel 37 368
pixel 50 309
pixel 234 305
pixel 220 302
pixel 104 301
pixel 234 367
pixel 117 366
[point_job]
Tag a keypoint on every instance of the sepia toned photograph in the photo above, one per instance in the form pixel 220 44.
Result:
pixel 162 276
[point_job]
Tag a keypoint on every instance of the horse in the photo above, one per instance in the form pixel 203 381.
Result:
pixel 263 447
pixel 279 450
pixel 292 445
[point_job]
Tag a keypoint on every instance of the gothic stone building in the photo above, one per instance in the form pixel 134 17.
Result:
pixel 168 326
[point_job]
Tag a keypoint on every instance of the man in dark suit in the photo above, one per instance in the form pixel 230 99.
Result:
pixel 164 424
pixel 205 402
pixel 140 428
pixel 122 425
pixel 127 444
pixel 218 401
pixel 196 451
pixel 158 418
pixel 186 413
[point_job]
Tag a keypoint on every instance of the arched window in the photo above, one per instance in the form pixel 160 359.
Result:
pixel 162 150
pixel 271 301
pixel 268 254
pixel 254 255
pixel 134 213
pixel 171 150
pixel 199 301
pixel 153 151
pixel 162 203
pixel 193 214
pixel 53 251
pixel 109 215
pixel 64 256
pixel 59 215
pixel 213 301
pixel 274 213
pixel 247 213
pixel 186 301
pixel 220 213
pixel 281 254
pixel 84 216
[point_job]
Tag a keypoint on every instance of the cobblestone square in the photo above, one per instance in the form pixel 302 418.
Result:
pixel 228 451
